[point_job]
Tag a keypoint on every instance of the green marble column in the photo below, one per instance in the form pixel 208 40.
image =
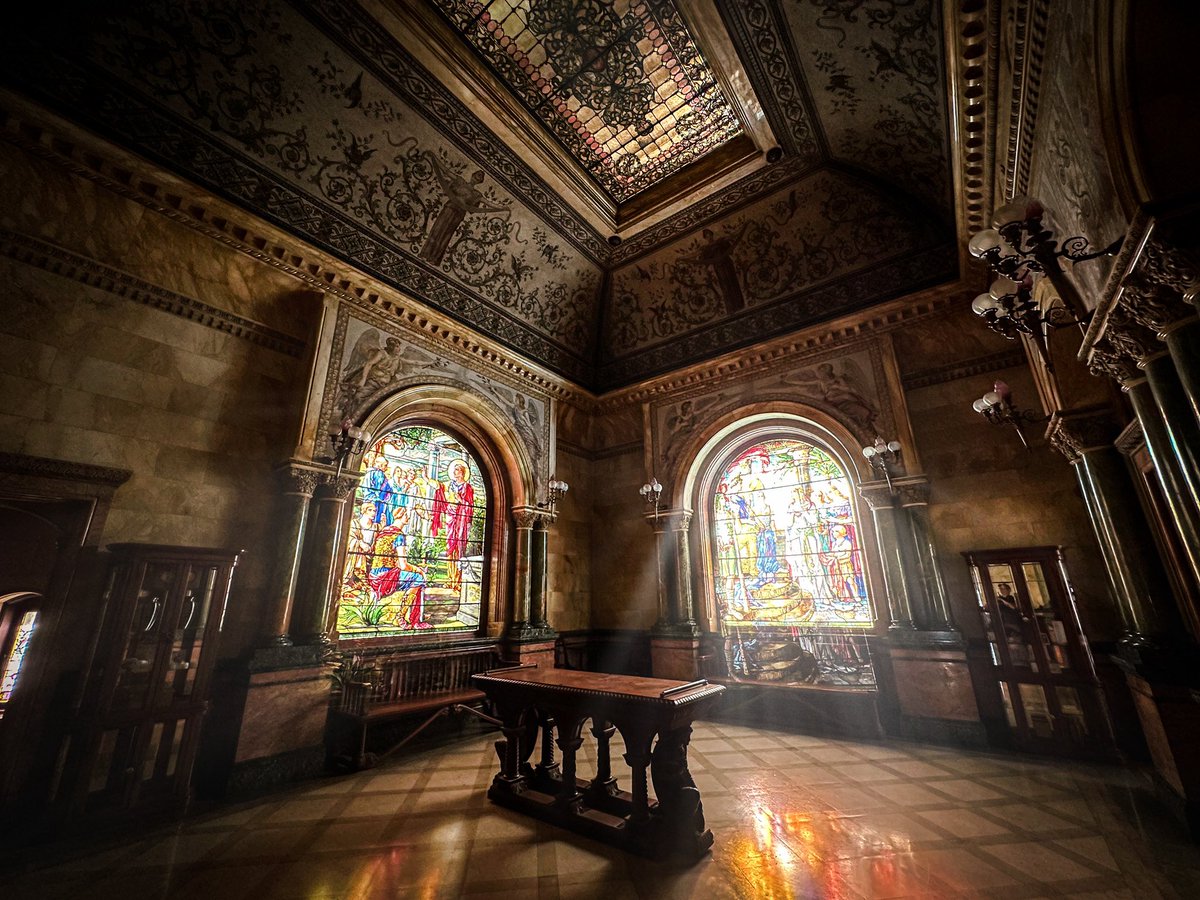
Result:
pixel 1183 343
pixel 298 484
pixel 321 577
pixel 676 616
pixel 539 576
pixel 889 534
pixel 1129 552
pixel 1173 439
pixel 521 613
pixel 934 605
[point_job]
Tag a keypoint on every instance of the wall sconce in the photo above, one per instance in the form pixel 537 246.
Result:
pixel 997 407
pixel 347 439
pixel 652 493
pixel 880 455
pixel 554 492
pixel 1020 248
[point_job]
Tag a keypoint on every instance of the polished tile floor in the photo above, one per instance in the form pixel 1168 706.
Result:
pixel 793 816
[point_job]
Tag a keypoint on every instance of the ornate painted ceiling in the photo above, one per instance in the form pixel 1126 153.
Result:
pixel 323 118
pixel 621 85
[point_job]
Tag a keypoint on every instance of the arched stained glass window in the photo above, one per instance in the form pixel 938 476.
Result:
pixel 790 584
pixel 415 553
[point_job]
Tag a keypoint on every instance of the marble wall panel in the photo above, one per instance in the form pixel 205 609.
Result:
pixel 93 393
pixel 570 551
pixel 624 581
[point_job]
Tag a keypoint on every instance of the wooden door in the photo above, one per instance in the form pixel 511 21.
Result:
pixel 166 610
pixel 1049 692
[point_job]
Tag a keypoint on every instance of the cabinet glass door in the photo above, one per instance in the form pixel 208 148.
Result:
pixel 1047 685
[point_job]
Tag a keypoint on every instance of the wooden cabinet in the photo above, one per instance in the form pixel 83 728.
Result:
pixel 148 688
pixel 1037 656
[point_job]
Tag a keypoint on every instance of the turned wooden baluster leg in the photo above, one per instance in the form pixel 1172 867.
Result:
pixel 637 757
pixel 569 741
pixel 548 767
pixel 509 748
pixel 603 783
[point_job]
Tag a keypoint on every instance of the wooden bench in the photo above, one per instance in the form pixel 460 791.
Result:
pixel 408 683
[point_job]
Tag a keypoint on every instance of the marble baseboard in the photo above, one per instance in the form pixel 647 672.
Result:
pixel 266 773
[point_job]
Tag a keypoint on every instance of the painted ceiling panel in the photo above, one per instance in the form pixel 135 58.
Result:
pixel 619 83
pixel 312 116
pixel 786 258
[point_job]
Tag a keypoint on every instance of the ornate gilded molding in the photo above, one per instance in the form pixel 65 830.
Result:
pixel 793 348
pixel 1030 20
pixel 51 258
pixel 1074 432
pixel 973 38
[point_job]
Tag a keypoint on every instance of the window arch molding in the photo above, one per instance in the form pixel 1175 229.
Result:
pixel 713 450
pixel 503 460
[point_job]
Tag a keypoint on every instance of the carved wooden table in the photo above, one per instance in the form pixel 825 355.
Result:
pixel 557 703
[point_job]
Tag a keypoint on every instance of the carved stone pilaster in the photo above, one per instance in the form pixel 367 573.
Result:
pixel 526 517
pixel 1072 433
pixel 912 492
pixel 877 494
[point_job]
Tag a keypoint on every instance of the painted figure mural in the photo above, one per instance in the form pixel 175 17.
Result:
pixel 415 551
pixel 790 587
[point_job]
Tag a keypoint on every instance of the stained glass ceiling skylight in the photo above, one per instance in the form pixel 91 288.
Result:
pixel 619 83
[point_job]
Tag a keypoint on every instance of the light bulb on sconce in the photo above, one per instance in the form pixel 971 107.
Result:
pixel 554 492
pixel 997 407
pixel 1021 248
pixel 881 455
pixel 652 494
pixel 347 439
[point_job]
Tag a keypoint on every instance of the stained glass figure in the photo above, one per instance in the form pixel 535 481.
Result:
pixel 415 553
pixel 790 587
pixel 16 657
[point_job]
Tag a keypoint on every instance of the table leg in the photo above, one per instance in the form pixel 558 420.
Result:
pixel 679 805
pixel 603 784
pixel 637 757
pixel 548 768
pixel 569 741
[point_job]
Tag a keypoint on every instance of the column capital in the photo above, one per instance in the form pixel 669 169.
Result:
pixel 527 516
pixel 1166 264
pixel 297 477
pixel 1075 432
pixel 906 490
pixel 1153 304
pixel 339 487
pixel 669 520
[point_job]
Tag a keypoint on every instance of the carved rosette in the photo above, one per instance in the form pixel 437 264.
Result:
pixel 1075 433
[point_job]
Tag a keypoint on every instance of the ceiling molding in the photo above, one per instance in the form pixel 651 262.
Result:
pixel 49 137
pixel 768 354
